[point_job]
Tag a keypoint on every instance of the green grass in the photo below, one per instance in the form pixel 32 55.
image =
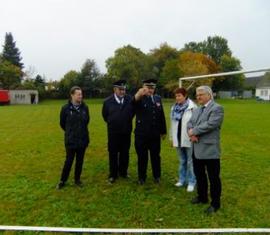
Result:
pixel 32 156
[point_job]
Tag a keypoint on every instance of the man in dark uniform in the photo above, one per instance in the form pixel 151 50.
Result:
pixel 74 119
pixel 150 127
pixel 118 113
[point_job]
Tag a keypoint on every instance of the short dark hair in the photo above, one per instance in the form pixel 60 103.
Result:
pixel 181 90
pixel 73 89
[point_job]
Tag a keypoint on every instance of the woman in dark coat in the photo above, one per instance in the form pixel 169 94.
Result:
pixel 74 119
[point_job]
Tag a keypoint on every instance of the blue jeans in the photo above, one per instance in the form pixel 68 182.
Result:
pixel 186 173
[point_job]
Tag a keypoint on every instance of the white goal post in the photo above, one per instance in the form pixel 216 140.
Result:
pixel 193 78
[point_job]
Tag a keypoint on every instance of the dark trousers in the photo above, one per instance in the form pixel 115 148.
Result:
pixel 210 168
pixel 143 144
pixel 118 147
pixel 70 155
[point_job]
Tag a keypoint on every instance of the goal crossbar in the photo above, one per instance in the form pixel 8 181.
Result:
pixel 193 78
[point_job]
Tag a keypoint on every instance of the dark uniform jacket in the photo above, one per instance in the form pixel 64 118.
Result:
pixel 74 122
pixel 150 118
pixel 118 116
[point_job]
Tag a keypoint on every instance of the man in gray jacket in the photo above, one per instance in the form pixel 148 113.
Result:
pixel 204 131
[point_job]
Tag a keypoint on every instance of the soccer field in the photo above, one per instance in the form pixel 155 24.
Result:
pixel 32 155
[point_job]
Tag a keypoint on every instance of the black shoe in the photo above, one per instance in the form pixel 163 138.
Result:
pixel 157 180
pixel 111 180
pixel 79 183
pixel 196 200
pixel 211 210
pixel 60 185
pixel 141 181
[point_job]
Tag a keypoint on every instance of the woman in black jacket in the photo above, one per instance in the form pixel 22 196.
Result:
pixel 74 119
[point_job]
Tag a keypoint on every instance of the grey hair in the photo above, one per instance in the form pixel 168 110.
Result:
pixel 207 90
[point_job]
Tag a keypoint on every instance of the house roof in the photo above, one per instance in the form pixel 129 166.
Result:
pixel 252 81
pixel 265 82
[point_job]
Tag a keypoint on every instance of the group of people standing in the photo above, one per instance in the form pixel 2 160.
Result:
pixel 194 132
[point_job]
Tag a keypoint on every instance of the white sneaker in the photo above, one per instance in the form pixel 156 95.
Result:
pixel 190 188
pixel 179 184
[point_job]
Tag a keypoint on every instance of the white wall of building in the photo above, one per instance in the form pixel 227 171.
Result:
pixel 263 93
pixel 23 96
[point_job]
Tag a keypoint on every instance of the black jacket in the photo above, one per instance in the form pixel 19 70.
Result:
pixel 150 118
pixel 74 122
pixel 118 117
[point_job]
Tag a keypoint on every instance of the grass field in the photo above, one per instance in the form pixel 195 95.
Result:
pixel 32 156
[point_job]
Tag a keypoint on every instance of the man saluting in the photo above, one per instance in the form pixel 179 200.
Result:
pixel 117 112
pixel 150 127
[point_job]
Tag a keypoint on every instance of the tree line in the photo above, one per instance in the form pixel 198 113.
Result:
pixel 164 63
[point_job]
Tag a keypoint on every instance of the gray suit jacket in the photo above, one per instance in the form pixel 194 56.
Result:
pixel 206 126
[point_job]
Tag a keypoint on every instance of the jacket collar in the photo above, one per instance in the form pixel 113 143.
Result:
pixel 191 104
pixel 118 100
pixel 209 104
pixel 71 105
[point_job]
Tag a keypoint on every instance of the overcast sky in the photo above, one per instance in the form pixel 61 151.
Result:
pixel 55 36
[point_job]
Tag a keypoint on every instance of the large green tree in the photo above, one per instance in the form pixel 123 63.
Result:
pixel 162 55
pixel 88 76
pixel 69 80
pixel 10 75
pixel 10 52
pixel 169 76
pixel 218 50
pixel 132 64
pixel 187 64
pixel 87 79
pixel 215 47
pixel 196 47
pixel 232 82
pixel 10 64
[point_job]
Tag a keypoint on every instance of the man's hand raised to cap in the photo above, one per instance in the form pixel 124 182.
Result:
pixel 140 93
